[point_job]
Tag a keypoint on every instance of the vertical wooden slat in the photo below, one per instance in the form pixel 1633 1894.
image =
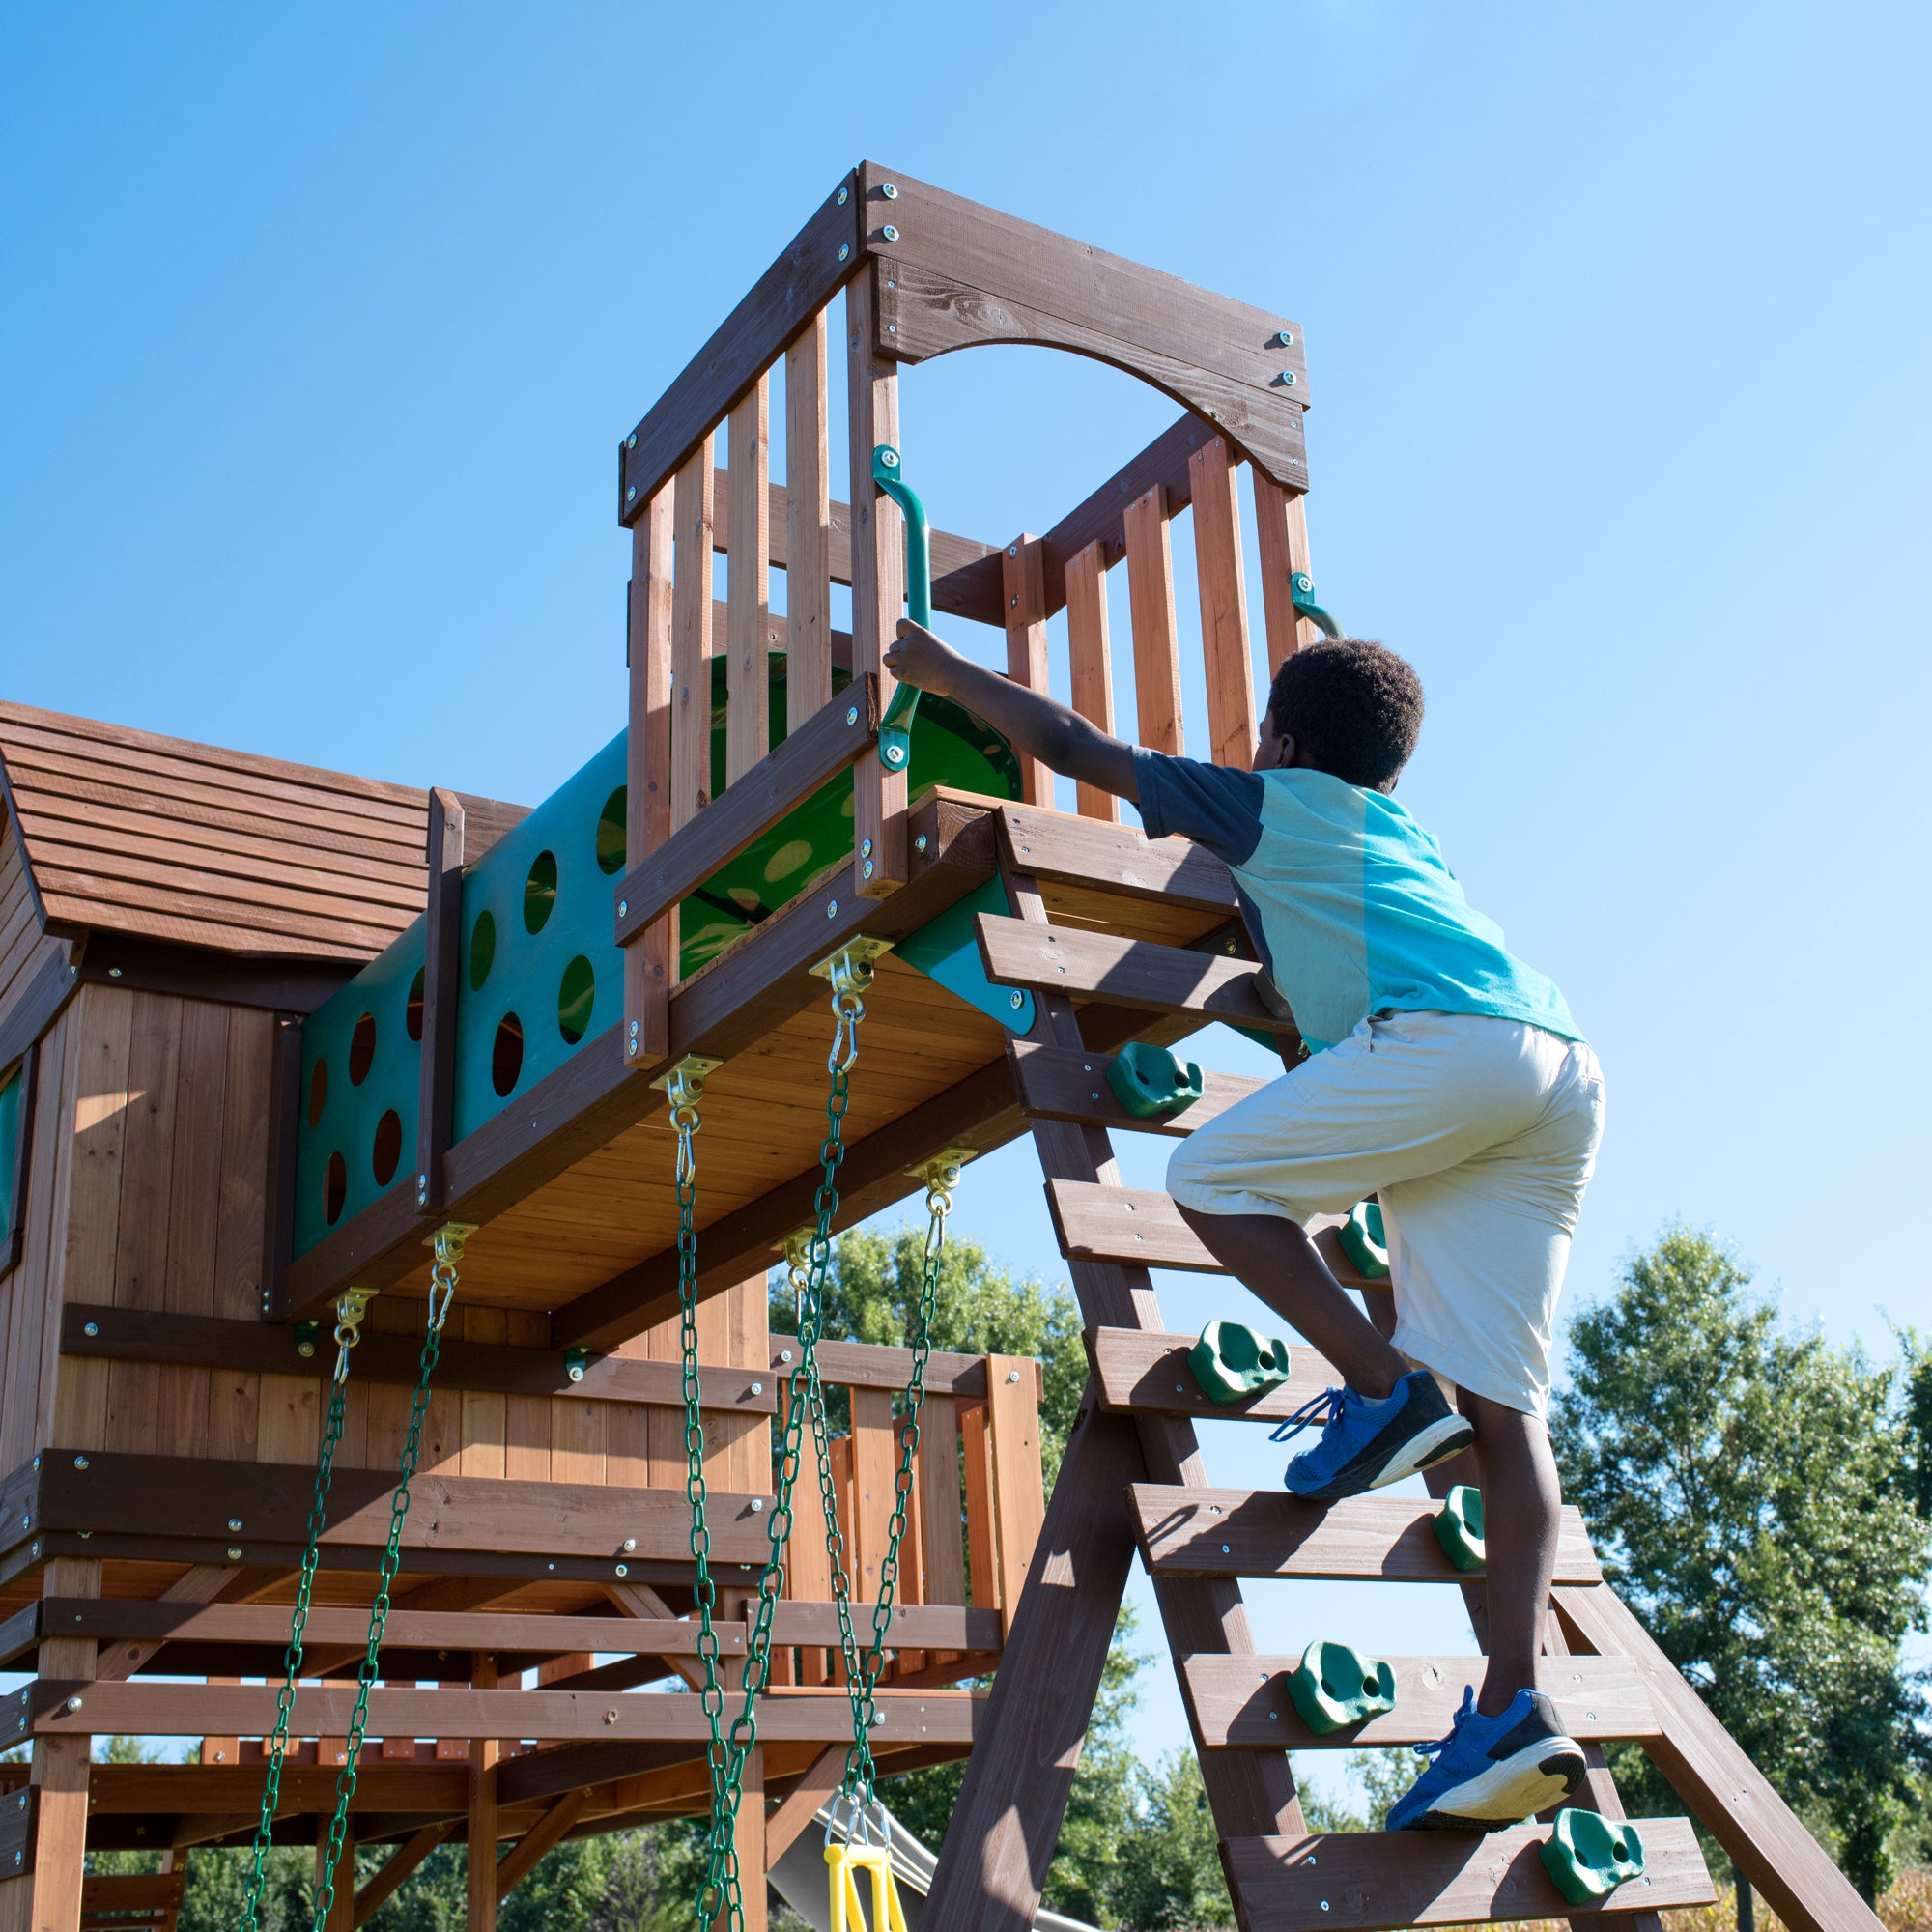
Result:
pixel 1224 604
pixel 388 1411
pixel 807 528
pixel 808 1574
pixel 578 1436
pixel 878 586
pixel 195 1200
pixel 442 941
pixel 1023 574
pixel 650 960
pixel 528 1430
pixel 939 1500
pixel 748 584
pixel 254 1038
pixel 691 640
pixel 485 1416
pixel 874 1460
pixel 981 1542
pixel 1093 667
pixel 1013 1409
pixel 61 1765
pixel 481 1863
pixel 627 1448
pixel 1156 633
pixel 748 1344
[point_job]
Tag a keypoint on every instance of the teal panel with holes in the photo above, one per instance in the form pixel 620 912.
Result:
pixel 539 972
pixel 10 1146
pixel 946 950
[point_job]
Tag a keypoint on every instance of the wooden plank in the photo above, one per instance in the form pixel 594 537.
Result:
pixel 691 641
pixel 1136 1226
pixel 1224 606
pixel 1708 1768
pixel 194 1193
pixel 1022 607
pixel 940 1514
pixel 786 298
pixel 807 527
pixel 1242 1703
pixel 650 963
pixel 36 1008
pixel 982 1520
pixel 797 1808
pixel 376 1891
pixel 1092 662
pixel 878 583
pixel 1281 526
pixel 874 1465
pixel 748 593
pixel 1366 1881
pixel 818 750
pixel 1140 1371
pixel 335 1880
pixel 1124 971
pixel 1012 1411
pixel 1156 631
pixel 480 1834
pixel 1058 846
pixel 1059 1084
pixel 61 1767
pixel 1198 1532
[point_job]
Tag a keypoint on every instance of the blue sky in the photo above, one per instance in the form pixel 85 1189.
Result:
pixel 321 328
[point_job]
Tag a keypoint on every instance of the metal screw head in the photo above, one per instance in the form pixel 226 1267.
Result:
pixel 114 972
pixel 852 714
pixel 889 190
pixel 890 233
pixel 630 493
pixel 629 1545
pixel 918 844
pixel 1012 550
pixel 864 849
pixel 1287 379
pixel 631 441
pixel 234 1554
pixel 610 1717
pixel 91 1328
pixel 1017 1001
pixel 844 196
pixel 757 1388
pixel 785 1354
pixel 234 1524
pixel 623 908
pixel 865 870
pixel 80 1462
pixel 623 1569
pixel 1012 603
pixel 73 1703
pixel 630 1049
pixel 892 329
pixel 844 249
pixel 1012 1375
pixel 831 909
pixel 1283 338
pixel 895 754
pixel 758 1504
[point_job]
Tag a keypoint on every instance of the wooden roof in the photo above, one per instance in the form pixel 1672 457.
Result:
pixel 133 833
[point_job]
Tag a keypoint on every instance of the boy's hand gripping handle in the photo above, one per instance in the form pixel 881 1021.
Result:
pixel 895 727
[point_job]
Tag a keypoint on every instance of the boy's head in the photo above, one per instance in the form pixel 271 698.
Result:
pixel 1348 707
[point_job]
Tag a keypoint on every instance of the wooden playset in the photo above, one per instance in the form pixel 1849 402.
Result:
pixel 350 1132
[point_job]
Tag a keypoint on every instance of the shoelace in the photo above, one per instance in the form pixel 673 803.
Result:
pixel 1461 1718
pixel 1320 1409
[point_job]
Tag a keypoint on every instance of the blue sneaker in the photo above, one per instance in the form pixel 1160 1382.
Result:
pixel 1491 1772
pixel 1365 1444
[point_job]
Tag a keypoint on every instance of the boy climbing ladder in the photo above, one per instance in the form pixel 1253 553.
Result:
pixel 1445 1076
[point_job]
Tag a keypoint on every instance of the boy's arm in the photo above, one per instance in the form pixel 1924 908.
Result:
pixel 1028 720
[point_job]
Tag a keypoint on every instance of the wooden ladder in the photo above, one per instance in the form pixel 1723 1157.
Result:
pixel 1133 1481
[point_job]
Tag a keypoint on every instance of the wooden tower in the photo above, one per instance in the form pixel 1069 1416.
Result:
pixel 264 1029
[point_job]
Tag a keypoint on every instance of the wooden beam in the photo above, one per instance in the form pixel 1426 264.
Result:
pixel 748 591
pixel 443 948
pixel 19 1177
pixel 650 963
pixel 1064 849
pixel 1224 606
pixel 203 1583
pixel 190 973
pixel 1059 1084
pixel 807 527
pixel 1156 631
pixel 36 1010
pixel 799 1806
pixel 1093 667
pixel 61 1767
pixel 1137 1227
pixel 397 1867
pixel 521 1859
pixel 1023 607
pixel 786 298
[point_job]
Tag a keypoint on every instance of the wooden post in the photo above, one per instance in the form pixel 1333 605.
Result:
pixel 1012 1407
pixel 807 528
pixel 650 961
pixel 1023 574
pixel 1224 604
pixel 874 1463
pixel 1092 664
pixel 481 1911
pixel 691 639
pixel 748 593
pixel 1156 633
pixel 342 1900
pixel 1281 525
pixel 878 586
pixel 443 948
pixel 60 1772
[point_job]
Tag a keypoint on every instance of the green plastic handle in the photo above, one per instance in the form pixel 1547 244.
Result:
pixel 896 726
pixel 1302 587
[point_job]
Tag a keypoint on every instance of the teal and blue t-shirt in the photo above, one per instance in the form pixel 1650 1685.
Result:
pixel 1347 898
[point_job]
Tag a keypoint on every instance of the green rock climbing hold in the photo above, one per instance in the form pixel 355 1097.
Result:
pixel 1147 1080
pixel 1459 1526
pixel 1363 1241
pixel 1231 1360
pixel 1333 1685
pixel 1589 1856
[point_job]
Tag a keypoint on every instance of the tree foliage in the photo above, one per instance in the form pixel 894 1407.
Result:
pixel 1759 1498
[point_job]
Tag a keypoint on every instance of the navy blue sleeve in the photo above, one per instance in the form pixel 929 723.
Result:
pixel 1215 805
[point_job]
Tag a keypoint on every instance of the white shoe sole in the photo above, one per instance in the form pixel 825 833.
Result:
pixel 1516 1788
pixel 1449 1436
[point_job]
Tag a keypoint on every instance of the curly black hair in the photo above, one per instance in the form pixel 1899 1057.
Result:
pixel 1352 705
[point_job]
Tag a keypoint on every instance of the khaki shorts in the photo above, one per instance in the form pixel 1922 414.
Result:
pixel 1478 1134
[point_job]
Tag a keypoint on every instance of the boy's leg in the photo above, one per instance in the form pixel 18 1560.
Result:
pixel 1274 1260
pixel 1520 1503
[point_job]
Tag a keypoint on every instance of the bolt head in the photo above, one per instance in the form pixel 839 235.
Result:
pixel 114 972
pixel 758 1504
pixel 234 1553
pixel 91 1328
pixel 844 196
pixel 630 1049
pixel 629 1545
pixel 831 909
pixel 1283 338
pixel 73 1703
pixel 889 190
pixel 234 1524
pixel 623 1569
pixel 844 249
pixel 1016 1000
pixel 865 870
pixel 864 849
pixel 630 493
pixel 631 441
pixel 918 844
pixel 892 329
pixel 757 1388
pixel 575 1372
pixel 895 754
pixel 852 714
pixel 1287 379
pixel 623 908
pixel 1012 1375
pixel 890 232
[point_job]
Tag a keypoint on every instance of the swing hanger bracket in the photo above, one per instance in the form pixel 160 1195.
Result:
pixel 850 970
pixel 684 1085
pixel 351 1305
pixel 456 1232
pixel 942 1169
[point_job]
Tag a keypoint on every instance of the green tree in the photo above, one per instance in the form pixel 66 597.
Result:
pixel 1756 1496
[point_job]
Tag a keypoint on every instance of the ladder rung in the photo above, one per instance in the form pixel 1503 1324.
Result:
pixel 1124 971
pixel 1057 1083
pixel 1205 1532
pixel 1374 1881
pixel 1144 1373
pixel 1241 1703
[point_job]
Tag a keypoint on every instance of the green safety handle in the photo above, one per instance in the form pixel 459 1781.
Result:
pixel 1302 588
pixel 896 726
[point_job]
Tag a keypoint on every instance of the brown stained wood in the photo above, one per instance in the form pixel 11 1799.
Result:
pixel 691 641
pixel 747 714
pixel 1144 1373
pixel 1224 606
pixel 878 583
pixel 939 1477
pixel 794 289
pixel 376 1892
pixel 485 1415
pixel 875 1463
pixel 1135 1226
pixel 1060 1084
pixel 482 1824
pixel 807 527
pixel 61 1767
pixel 794 1811
pixel 820 749
pixel 1013 1409
pixel 1369 1880
pixel 1197 1531
pixel 340 1880
pixel 1242 1703
pixel 1023 609
pixel 521 1859
pixel 650 961
pixel 1156 631
pixel 1090 657
pixel 1281 527
pixel 1056 845
pixel 443 942
pixel 37 1007
pixel 1730 1796
pixel 1123 971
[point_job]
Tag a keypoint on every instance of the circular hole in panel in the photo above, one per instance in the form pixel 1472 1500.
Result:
pixel 413 1010
pixel 318 1092
pixel 787 859
pixel 611 831
pixel 334 1189
pixel 574 999
pixel 388 1149
pixel 540 892
pixel 482 950
pixel 506 1054
pixel 362 1049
